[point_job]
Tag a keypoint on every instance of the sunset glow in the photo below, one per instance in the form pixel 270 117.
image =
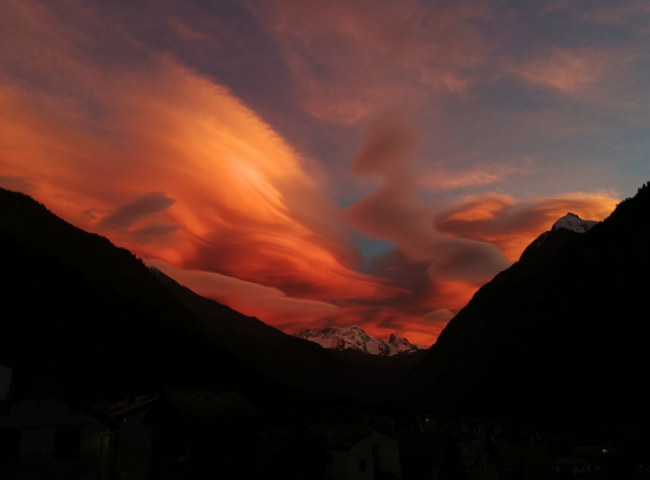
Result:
pixel 316 163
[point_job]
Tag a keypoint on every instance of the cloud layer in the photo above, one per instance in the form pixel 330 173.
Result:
pixel 320 163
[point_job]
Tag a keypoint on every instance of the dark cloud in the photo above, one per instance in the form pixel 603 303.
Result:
pixel 472 261
pixel 394 266
pixel 390 143
pixel 16 183
pixel 90 215
pixel 129 213
pixel 154 233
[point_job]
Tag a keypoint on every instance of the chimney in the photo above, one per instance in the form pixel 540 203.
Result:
pixel 5 380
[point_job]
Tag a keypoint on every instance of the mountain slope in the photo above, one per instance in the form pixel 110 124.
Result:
pixel 282 358
pixel 560 334
pixel 82 316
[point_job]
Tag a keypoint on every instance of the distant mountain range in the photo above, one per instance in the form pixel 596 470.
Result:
pixel 355 338
pixel 561 334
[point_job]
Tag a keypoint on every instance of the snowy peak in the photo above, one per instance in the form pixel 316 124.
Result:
pixel 574 223
pixel 570 222
pixel 354 338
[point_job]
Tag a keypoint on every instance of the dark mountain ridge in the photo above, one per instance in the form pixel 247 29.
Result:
pixel 283 358
pixel 85 318
pixel 560 334
pixel 82 314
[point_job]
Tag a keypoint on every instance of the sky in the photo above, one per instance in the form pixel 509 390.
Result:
pixel 322 163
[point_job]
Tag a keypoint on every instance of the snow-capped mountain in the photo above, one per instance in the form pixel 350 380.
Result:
pixel 574 223
pixel 354 338
pixel 570 222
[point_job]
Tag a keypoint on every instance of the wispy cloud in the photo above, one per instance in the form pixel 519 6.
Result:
pixel 394 213
pixel 246 205
pixel 249 298
pixel 477 174
pixel 568 71
pixel 350 60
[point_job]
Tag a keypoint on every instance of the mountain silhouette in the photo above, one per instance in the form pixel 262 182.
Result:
pixel 558 335
pixel 85 318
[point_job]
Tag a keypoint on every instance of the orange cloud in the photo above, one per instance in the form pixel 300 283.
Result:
pixel 571 71
pixel 512 225
pixel 252 299
pixel 230 196
pixel 441 179
pixel 485 209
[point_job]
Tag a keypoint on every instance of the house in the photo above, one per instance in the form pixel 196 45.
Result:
pixel 385 455
pixel 329 452
pixel 348 450
pixel 358 452
pixel 69 440
pixel 176 434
